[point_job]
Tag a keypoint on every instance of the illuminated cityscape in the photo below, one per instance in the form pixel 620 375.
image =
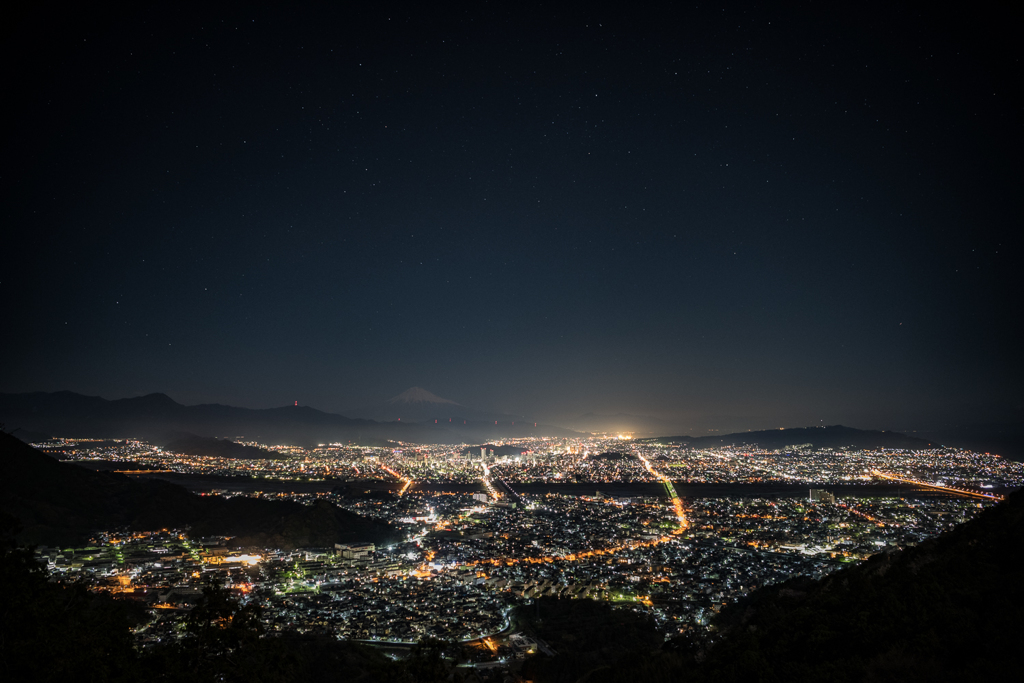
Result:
pixel 492 343
pixel 669 531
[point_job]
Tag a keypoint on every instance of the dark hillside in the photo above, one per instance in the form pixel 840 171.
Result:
pixel 949 609
pixel 212 447
pixel 61 503
pixel 56 631
pixel 593 641
pixel 834 436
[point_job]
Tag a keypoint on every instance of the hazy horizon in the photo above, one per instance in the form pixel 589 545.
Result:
pixel 647 423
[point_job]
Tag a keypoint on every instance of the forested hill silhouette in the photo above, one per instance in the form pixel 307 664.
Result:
pixel 945 610
pixel 833 436
pixel 62 503
pixel 948 609
pixel 209 446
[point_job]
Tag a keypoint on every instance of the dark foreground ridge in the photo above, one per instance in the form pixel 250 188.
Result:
pixel 948 609
pixel 51 631
pixel 61 503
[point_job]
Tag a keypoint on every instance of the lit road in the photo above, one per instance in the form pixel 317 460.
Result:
pixel 486 479
pixel 407 480
pixel 677 504
pixel 939 487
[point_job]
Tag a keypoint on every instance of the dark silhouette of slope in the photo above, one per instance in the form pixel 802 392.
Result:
pixel 209 446
pixel 594 641
pixel 948 609
pixel 61 503
pixel 29 436
pixel 833 436
pixel 56 631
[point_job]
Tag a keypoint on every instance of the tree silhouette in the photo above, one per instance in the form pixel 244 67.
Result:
pixel 53 631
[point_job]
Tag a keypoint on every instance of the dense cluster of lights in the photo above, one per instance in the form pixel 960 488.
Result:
pixel 483 531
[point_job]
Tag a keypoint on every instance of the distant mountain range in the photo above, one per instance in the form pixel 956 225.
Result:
pixel 835 436
pixel 62 503
pixel 159 419
pixel 417 416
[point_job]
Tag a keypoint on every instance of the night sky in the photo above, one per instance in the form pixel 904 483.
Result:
pixel 743 217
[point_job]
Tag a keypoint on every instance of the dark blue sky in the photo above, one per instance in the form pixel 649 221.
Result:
pixel 750 216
